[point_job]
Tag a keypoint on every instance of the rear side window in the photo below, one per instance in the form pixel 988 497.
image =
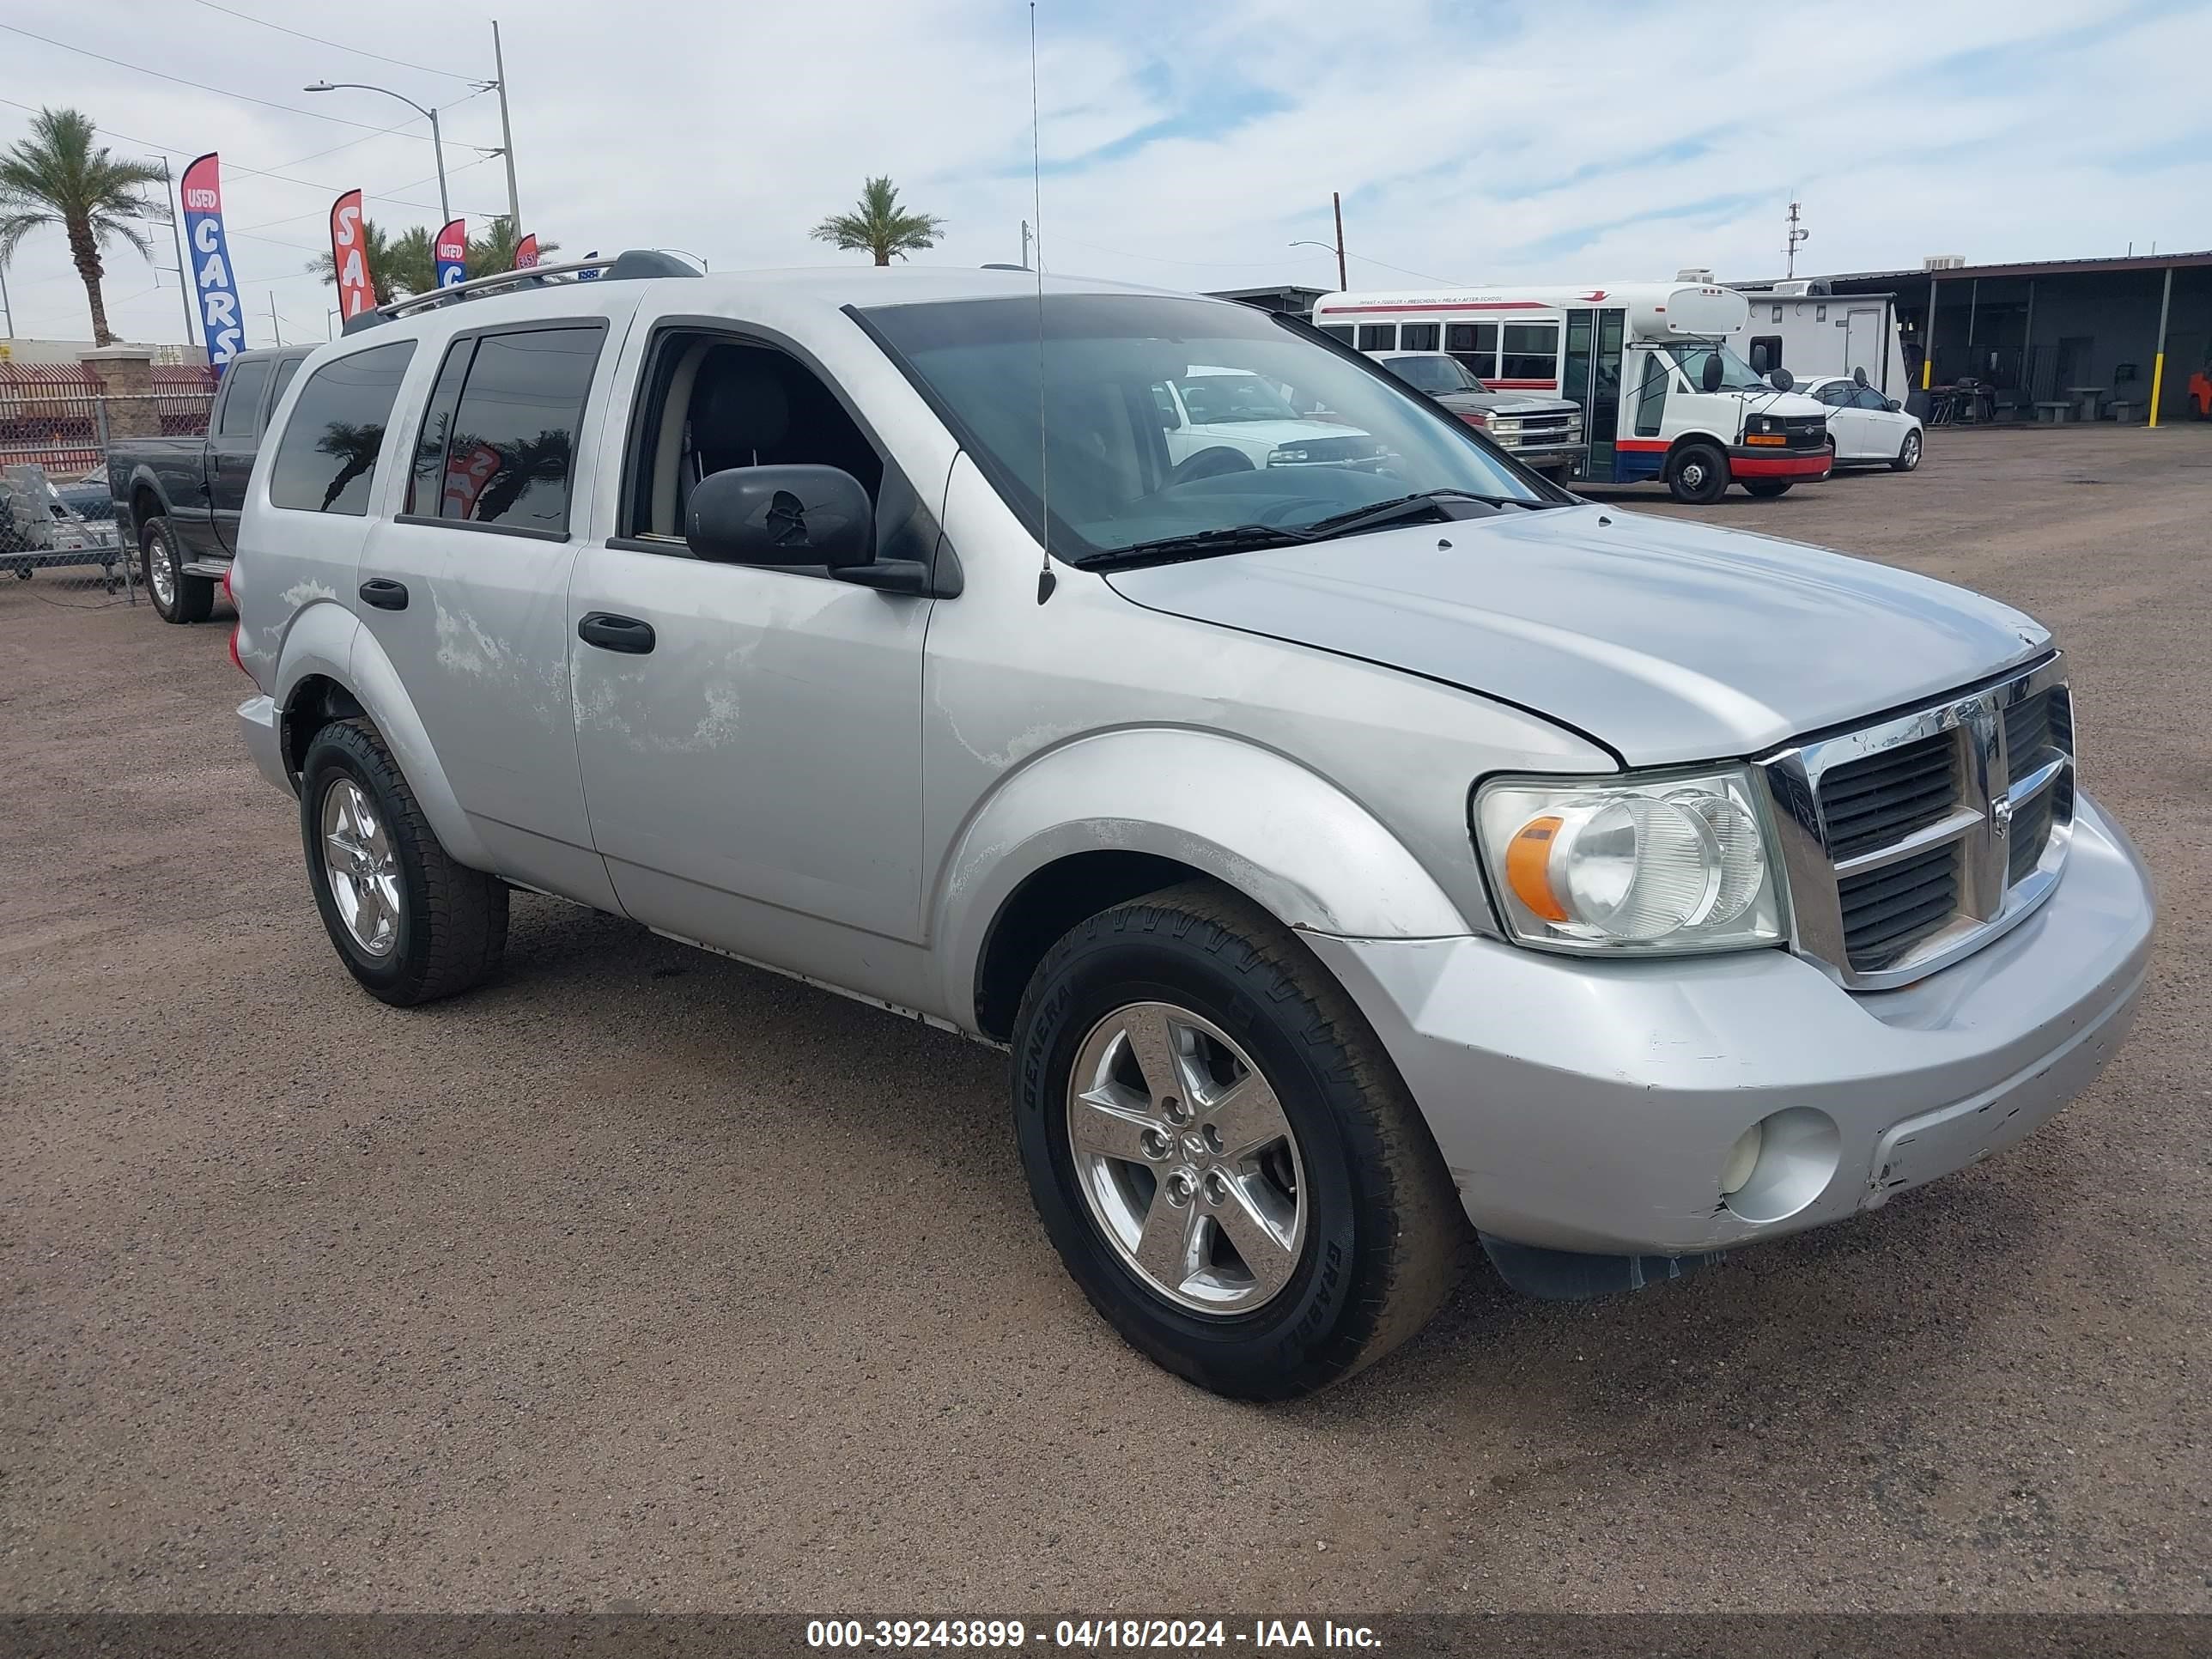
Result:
pixel 285 371
pixel 1378 337
pixel 497 446
pixel 328 452
pixel 1416 336
pixel 1475 344
pixel 241 402
pixel 1339 332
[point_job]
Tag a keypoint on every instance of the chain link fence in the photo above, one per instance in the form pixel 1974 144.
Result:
pixel 57 518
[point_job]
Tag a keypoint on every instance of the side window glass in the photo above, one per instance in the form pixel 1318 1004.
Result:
pixel 285 371
pixel 1869 399
pixel 1378 337
pixel 1164 400
pixel 511 451
pixel 1342 332
pixel 1765 353
pixel 1416 336
pixel 1531 352
pixel 1836 394
pixel 426 479
pixel 241 403
pixel 1651 395
pixel 328 452
pixel 1475 344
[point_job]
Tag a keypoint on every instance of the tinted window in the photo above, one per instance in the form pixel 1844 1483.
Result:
pixel 1836 393
pixel 1437 373
pixel 1342 331
pixel 1474 345
pixel 285 371
pixel 330 444
pixel 243 385
pixel 512 449
pixel 1869 399
pixel 1416 336
pixel 1378 337
pixel 1531 352
pixel 1766 353
pixel 1651 397
pixel 426 479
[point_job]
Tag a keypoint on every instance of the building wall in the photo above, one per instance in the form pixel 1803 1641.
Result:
pixel 17 349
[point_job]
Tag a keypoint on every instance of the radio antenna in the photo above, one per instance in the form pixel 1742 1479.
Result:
pixel 1046 580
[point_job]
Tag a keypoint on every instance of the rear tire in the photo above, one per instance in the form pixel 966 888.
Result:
pixel 1364 1236
pixel 1908 454
pixel 410 923
pixel 177 597
pixel 1699 475
pixel 1768 489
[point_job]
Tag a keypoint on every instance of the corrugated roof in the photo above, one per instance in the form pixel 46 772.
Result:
pixel 2030 268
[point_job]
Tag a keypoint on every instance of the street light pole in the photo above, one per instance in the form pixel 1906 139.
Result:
pixel 176 239
pixel 437 144
pixel 506 131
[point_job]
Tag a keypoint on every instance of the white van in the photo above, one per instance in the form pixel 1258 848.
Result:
pixel 1664 397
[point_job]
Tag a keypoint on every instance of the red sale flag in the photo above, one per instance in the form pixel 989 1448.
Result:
pixel 525 251
pixel 349 257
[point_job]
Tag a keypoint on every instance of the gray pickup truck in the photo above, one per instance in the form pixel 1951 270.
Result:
pixel 1545 434
pixel 179 498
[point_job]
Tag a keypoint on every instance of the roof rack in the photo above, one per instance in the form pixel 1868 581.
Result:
pixel 634 264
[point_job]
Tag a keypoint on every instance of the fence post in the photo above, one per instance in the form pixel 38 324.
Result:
pixel 125 373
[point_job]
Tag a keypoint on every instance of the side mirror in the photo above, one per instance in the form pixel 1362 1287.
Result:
pixel 1708 376
pixel 1782 379
pixel 782 515
pixel 1858 377
pixel 1893 405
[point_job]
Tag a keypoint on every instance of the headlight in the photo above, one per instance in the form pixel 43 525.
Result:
pixel 1278 457
pixel 1509 427
pixel 1648 865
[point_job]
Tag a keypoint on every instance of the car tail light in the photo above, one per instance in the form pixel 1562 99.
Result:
pixel 229 598
pixel 235 662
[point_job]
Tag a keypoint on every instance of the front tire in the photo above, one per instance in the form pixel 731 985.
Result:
pixel 1768 489
pixel 177 597
pixel 1908 454
pixel 1222 1152
pixel 410 923
pixel 1699 476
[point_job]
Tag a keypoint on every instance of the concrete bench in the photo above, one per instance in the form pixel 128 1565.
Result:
pixel 2053 411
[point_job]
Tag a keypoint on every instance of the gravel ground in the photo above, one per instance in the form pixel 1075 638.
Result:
pixel 642 1279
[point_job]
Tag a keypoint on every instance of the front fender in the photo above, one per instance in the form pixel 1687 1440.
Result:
pixel 1286 838
pixel 328 639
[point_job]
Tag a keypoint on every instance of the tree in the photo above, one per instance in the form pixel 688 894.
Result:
pixel 881 226
pixel 58 177
pixel 397 265
pixel 494 252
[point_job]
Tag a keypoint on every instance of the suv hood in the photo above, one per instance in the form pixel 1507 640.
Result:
pixel 1666 640
pixel 1505 403
pixel 1274 434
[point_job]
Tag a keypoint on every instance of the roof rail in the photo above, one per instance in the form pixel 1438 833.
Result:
pixel 634 264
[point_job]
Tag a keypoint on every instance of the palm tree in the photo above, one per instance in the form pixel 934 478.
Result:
pixel 881 226
pixel 494 252
pixel 397 265
pixel 58 177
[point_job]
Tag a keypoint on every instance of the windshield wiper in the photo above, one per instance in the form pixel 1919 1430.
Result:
pixel 1236 538
pixel 1405 509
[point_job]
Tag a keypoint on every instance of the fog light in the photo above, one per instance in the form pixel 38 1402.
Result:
pixel 1743 1160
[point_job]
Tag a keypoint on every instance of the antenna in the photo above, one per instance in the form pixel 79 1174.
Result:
pixel 1046 580
pixel 1797 234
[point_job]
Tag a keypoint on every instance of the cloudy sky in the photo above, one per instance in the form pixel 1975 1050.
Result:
pixel 1184 144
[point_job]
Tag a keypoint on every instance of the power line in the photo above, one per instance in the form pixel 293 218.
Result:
pixel 358 51
pixel 220 92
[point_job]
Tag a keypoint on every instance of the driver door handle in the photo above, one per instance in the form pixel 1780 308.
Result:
pixel 612 633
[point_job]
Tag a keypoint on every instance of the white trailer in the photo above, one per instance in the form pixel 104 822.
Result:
pixel 1799 327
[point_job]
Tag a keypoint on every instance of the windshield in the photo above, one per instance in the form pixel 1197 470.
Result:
pixel 1434 373
pixel 1736 375
pixel 1122 468
pixel 1212 396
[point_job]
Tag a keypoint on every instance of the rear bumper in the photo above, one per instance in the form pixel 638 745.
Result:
pixel 261 729
pixel 1590 1106
pixel 1747 463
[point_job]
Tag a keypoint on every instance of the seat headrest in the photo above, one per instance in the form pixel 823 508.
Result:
pixel 743 411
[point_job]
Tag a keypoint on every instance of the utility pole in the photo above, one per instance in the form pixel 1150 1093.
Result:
pixel 1336 202
pixel 506 131
pixel 176 240
pixel 1797 234
pixel 274 327
pixel 1025 245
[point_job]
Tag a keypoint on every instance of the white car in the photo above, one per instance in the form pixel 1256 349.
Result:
pixel 1867 428
pixel 1234 418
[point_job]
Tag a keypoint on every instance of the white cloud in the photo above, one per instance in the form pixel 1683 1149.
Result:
pixel 1183 145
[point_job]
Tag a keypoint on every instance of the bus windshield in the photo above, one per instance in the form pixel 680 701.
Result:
pixel 1736 375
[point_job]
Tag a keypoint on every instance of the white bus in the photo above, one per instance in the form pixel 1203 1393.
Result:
pixel 1664 396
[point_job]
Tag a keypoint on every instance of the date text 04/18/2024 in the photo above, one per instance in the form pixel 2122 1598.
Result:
pixel 1007 1635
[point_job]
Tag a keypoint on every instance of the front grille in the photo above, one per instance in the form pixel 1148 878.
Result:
pixel 1805 431
pixel 1546 429
pixel 1335 449
pixel 1889 910
pixel 1870 803
pixel 1912 841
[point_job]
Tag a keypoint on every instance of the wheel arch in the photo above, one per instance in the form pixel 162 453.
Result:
pixel 332 668
pixel 1111 817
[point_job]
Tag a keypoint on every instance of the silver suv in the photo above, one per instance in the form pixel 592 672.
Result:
pixel 1345 853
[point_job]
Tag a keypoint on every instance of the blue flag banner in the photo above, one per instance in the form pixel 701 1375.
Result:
pixel 452 254
pixel 220 324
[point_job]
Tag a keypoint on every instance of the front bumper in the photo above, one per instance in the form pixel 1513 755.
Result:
pixel 1754 461
pixel 261 729
pixel 1542 458
pixel 1590 1106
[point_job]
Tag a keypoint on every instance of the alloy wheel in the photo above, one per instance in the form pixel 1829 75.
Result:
pixel 1185 1157
pixel 362 867
pixel 161 570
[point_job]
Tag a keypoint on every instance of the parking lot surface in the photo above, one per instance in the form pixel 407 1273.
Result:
pixel 640 1278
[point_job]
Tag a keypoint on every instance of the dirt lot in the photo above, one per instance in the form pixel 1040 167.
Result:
pixel 642 1279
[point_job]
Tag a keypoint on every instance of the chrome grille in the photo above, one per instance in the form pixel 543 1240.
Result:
pixel 1914 840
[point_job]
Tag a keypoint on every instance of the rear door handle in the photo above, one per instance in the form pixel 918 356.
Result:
pixel 612 633
pixel 384 593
